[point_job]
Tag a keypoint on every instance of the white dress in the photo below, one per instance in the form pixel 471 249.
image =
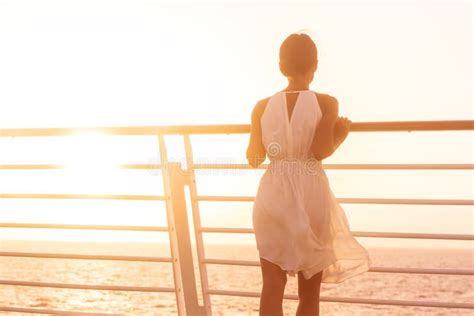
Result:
pixel 297 221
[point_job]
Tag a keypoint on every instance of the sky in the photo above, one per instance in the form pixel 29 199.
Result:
pixel 134 63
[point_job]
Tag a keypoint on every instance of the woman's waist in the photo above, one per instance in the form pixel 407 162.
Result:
pixel 295 165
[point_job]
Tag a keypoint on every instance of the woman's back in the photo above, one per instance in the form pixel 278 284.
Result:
pixel 289 136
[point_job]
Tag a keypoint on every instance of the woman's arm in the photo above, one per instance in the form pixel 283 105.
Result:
pixel 256 153
pixel 341 130
pixel 323 139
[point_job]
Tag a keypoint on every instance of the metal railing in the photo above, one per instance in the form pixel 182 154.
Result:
pixel 175 179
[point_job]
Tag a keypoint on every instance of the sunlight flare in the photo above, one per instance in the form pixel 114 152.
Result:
pixel 89 152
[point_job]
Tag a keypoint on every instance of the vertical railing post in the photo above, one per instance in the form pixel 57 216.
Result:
pixel 197 225
pixel 180 301
pixel 180 241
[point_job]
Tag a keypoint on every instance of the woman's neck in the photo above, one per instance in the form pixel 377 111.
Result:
pixel 296 86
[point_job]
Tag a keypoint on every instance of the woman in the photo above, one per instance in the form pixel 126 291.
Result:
pixel 299 226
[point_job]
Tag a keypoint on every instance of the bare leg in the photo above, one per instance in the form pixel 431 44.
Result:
pixel 273 289
pixel 308 294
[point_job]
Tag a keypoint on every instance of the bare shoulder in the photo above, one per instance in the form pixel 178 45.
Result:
pixel 327 102
pixel 259 108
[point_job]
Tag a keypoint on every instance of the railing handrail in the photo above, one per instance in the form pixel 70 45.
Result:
pixel 197 166
pixel 386 126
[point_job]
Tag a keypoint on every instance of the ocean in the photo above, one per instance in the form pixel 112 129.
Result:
pixel 374 285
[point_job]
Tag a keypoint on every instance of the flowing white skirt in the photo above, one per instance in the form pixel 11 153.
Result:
pixel 300 226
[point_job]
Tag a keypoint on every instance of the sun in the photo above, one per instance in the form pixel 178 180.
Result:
pixel 89 152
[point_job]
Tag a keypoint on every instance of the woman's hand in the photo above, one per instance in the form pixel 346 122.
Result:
pixel 341 129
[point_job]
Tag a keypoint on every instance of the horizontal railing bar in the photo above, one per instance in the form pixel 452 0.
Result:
pixel 388 126
pixel 408 126
pixel 82 256
pixel 49 166
pixel 248 263
pixel 414 235
pixel 81 196
pixel 228 198
pixel 347 166
pixel 131 130
pixel 372 269
pixel 89 287
pixel 353 300
pixel 423 271
pixel 216 198
pixel 226 230
pixel 354 233
pixel 30 167
pixel 263 166
pixel 52 311
pixel 74 226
